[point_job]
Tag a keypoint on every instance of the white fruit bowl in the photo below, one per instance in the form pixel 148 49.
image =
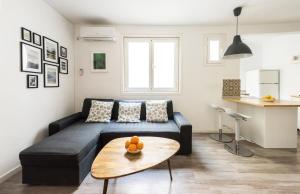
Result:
pixel 134 152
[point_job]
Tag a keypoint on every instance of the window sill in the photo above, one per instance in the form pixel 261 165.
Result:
pixel 147 93
pixel 214 64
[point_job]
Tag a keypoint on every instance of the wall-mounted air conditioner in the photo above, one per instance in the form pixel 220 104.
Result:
pixel 97 33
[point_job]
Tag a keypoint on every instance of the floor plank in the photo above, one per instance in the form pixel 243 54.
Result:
pixel 210 170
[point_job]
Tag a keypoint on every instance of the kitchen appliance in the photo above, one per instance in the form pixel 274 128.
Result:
pixel 262 82
pixel 96 33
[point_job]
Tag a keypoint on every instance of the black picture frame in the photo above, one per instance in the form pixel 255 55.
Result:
pixel 60 66
pixel 23 68
pixel 39 37
pixel 63 54
pixel 23 30
pixel 36 77
pixel 46 66
pixel 56 60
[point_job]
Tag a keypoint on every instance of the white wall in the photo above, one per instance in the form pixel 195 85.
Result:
pixel 200 85
pixel 275 51
pixel 277 54
pixel 25 113
pixel 251 63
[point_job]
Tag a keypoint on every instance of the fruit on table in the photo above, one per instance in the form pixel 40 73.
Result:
pixel 127 143
pixel 134 144
pixel 132 148
pixel 140 145
pixel 268 98
pixel 135 139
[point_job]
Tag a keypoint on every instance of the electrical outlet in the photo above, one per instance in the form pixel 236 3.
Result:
pixel 296 59
pixel 81 72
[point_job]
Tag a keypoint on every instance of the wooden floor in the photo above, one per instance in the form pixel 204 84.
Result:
pixel 210 169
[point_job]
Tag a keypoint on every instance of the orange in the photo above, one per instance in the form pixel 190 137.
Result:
pixel 132 148
pixel 140 145
pixel 135 139
pixel 127 143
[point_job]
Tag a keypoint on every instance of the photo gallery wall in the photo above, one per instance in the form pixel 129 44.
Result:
pixel 42 55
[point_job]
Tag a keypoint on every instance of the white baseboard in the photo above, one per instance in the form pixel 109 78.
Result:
pixel 10 173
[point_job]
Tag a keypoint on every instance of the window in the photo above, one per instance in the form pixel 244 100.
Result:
pixel 214 49
pixel 151 64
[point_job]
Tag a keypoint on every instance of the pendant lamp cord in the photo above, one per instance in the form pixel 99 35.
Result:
pixel 237 25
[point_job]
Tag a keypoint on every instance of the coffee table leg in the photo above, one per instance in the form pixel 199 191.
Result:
pixel 105 186
pixel 169 166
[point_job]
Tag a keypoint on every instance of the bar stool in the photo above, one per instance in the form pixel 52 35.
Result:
pixel 220 136
pixel 235 147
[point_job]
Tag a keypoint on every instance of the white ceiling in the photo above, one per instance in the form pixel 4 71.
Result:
pixel 176 12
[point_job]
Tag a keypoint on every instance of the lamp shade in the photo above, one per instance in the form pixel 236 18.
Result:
pixel 237 49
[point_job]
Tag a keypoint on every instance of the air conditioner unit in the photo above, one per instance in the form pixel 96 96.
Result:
pixel 97 33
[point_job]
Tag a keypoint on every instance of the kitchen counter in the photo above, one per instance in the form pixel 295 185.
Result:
pixel 272 124
pixel 295 96
pixel 258 102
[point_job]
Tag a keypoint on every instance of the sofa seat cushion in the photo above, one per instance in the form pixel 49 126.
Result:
pixel 65 148
pixel 116 130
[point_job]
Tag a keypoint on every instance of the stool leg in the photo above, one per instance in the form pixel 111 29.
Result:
pixel 220 133
pixel 235 147
pixel 220 136
pixel 237 136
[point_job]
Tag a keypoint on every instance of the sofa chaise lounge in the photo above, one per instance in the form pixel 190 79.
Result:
pixel 65 157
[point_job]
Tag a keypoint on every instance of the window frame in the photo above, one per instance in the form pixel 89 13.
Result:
pixel 151 40
pixel 207 39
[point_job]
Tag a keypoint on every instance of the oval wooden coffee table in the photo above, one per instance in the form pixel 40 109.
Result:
pixel 113 161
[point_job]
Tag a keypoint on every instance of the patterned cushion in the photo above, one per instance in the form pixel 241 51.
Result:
pixel 156 111
pixel 100 111
pixel 129 112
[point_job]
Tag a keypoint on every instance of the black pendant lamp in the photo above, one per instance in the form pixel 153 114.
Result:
pixel 237 49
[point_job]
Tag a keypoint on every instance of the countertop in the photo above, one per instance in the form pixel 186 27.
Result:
pixel 295 96
pixel 258 102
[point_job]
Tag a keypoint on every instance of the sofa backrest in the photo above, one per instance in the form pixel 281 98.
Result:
pixel 87 105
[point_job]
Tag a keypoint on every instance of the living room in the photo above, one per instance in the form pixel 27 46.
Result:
pixel 221 129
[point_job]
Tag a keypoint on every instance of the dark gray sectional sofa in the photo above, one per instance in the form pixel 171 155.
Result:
pixel 65 157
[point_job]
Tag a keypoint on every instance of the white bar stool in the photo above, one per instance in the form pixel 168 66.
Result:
pixel 220 136
pixel 235 147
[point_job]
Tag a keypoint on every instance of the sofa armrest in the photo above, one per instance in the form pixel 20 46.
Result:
pixel 185 133
pixel 60 124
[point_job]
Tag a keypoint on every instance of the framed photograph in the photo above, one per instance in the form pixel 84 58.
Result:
pixel 50 50
pixel 63 66
pixel 32 81
pixel 26 34
pixel 51 76
pixel 37 39
pixel 31 58
pixel 63 52
pixel 98 63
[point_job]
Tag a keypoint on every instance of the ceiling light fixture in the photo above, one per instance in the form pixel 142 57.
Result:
pixel 237 49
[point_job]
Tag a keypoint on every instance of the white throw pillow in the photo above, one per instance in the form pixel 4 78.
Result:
pixel 100 111
pixel 129 112
pixel 156 111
